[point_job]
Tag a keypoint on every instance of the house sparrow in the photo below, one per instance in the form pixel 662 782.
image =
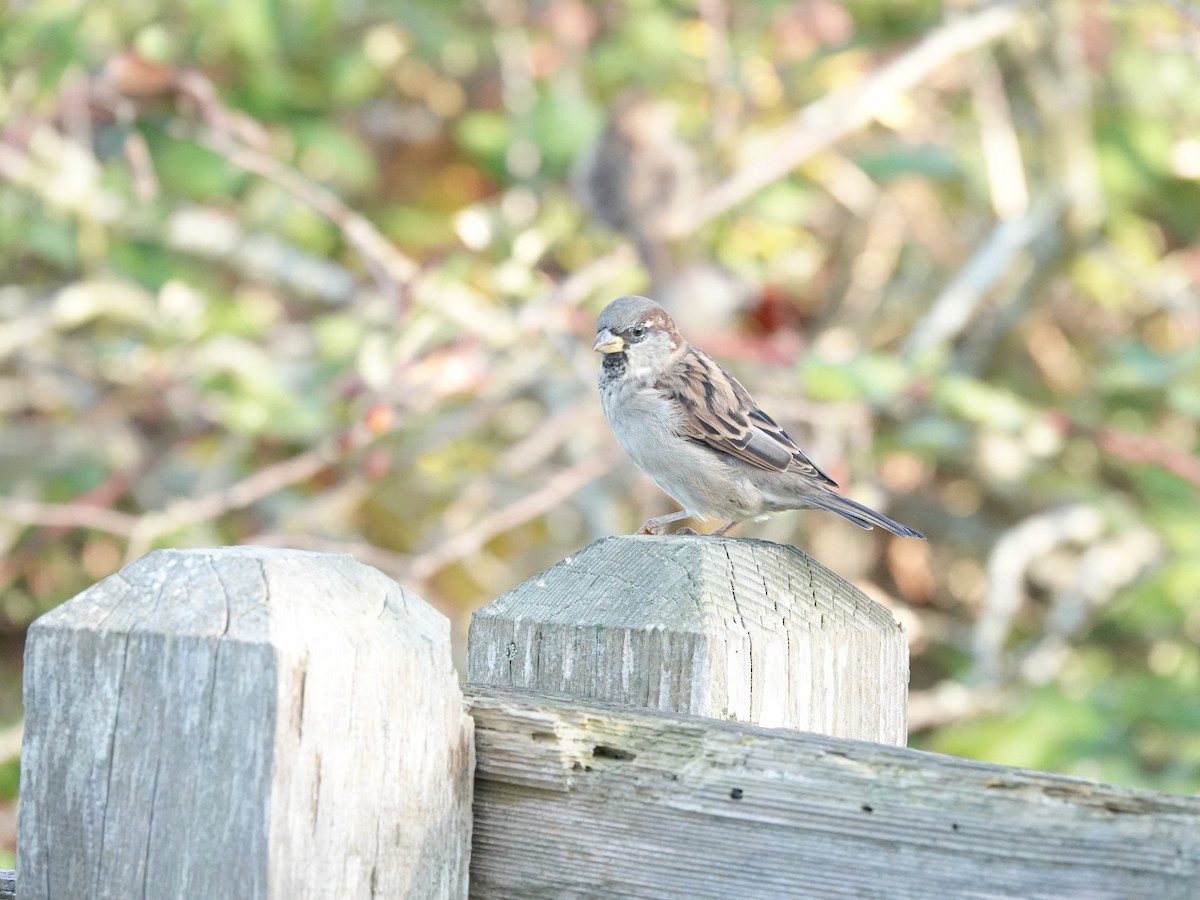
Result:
pixel 698 434
pixel 640 179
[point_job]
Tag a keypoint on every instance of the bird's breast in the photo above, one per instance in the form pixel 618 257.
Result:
pixel 645 423
pixel 641 418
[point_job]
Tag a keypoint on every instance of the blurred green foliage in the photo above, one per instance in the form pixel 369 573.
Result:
pixel 187 304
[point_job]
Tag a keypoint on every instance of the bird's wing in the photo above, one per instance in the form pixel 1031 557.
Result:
pixel 716 411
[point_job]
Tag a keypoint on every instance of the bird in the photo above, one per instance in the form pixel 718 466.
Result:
pixel 698 434
pixel 641 180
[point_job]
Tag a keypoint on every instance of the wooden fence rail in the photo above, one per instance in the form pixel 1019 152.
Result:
pixel 649 718
pixel 578 800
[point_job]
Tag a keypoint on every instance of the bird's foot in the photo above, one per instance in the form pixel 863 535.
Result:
pixel 658 525
pixel 720 532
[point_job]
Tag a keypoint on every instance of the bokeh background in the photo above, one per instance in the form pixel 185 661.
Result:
pixel 324 275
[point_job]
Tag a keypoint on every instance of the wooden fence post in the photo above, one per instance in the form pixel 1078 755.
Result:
pixel 576 797
pixel 245 723
pixel 726 628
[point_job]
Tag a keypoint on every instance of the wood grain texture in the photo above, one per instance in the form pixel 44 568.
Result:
pixel 729 628
pixel 574 800
pixel 224 723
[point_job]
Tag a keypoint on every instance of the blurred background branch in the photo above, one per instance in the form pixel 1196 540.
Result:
pixel 844 110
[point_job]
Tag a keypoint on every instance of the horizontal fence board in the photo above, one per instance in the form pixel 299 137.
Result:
pixel 583 800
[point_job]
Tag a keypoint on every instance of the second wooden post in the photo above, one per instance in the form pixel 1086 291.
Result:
pixel 727 628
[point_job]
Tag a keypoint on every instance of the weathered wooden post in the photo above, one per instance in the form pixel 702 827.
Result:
pixel 243 723
pixel 731 629
pixel 578 795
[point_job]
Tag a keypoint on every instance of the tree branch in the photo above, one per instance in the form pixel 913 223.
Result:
pixel 837 114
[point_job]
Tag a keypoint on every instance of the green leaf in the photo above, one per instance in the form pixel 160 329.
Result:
pixel 191 171
pixel 931 162
pixel 484 135
pixel 330 153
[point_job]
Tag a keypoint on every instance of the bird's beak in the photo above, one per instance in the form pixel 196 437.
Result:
pixel 607 342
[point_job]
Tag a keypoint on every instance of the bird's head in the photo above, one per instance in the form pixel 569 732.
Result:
pixel 640 330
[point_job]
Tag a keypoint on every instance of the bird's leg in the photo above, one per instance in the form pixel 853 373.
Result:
pixel 659 523
pixel 720 532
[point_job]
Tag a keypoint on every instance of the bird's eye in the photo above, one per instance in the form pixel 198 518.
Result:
pixel 639 330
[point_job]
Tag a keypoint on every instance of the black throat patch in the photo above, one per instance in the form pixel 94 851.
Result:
pixel 614 365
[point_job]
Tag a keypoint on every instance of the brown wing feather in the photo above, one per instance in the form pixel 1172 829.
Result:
pixel 715 410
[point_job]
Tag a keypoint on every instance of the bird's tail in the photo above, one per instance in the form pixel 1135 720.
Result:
pixel 862 516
